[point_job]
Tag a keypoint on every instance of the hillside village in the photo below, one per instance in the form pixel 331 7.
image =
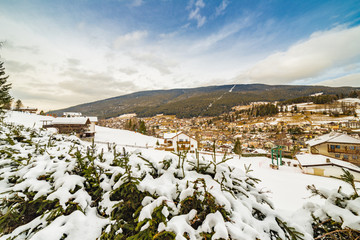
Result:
pixel 291 129
pixel 296 132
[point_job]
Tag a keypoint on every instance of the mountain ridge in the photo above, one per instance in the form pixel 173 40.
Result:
pixel 200 101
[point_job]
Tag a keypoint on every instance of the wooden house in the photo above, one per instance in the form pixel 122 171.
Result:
pixel 337 145
pixel 28 109
pixel 68 125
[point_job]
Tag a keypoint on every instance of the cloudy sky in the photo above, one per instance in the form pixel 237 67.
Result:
pixel 61 53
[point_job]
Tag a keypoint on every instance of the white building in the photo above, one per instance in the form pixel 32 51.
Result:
pixel 179 141
pixel 321 165
pixel 93 121
pixel 72 114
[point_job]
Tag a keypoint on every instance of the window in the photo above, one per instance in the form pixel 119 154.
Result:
pixel 332 147
pixel 337 155
pixel 346 157
pixel 354 157
pixel 352 147
pixel 338 146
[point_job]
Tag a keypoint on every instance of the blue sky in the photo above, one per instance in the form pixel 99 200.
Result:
pixel 62 53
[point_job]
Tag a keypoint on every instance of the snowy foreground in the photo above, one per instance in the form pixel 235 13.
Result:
pixel 58 187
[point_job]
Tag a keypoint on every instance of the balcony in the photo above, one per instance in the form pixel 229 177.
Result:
pixel 183 148
pixel 345 151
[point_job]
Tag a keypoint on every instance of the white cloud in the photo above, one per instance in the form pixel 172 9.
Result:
pixel 221 8
pixel 130 38
pixel 137 3
pixel 194 14
pixel 134 3
pixel 225 32
pixel 311 58
pixel 352 80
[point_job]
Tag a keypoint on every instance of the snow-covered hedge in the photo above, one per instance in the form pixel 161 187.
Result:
pixel 55 187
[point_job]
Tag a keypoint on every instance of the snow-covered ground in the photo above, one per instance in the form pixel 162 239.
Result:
pixel 286 187
pixel 26 119
pixel 124 137
pixel 350 100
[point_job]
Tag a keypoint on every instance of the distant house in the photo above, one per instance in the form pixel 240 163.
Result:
pixel 179 141
pixel 337 145
pixel 67 125
pixel 28 109
pixel 321 165
pixel 93 121
pixel 351 124
pixel 72 114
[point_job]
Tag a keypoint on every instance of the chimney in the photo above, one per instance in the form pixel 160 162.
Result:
pixel 328 160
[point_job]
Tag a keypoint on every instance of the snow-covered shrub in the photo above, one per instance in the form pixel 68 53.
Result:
pixel 339 217
pixel 55 187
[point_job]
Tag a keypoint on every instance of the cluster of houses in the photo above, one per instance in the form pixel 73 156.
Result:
pixel 327 154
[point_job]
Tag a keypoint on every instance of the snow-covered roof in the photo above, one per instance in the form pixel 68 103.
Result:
pixel 333 137
pixel 72 120
pixel 350 100
pixel 170 135
pixel 308 160
pixel 75 114
pixel 27 108
pixel 93 119
pixel 258 150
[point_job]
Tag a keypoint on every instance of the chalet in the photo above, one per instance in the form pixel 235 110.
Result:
pixel 28 109
pixel 337 145
pixel 321 165
pixel 179 141
pixel 67 125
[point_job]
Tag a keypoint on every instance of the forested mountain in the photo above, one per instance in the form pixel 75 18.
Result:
pixel 193 102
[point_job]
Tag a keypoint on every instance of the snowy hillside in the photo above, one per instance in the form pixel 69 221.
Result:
pixel 26 119
pixel 57 187
pixel 124 137
pixel 103 134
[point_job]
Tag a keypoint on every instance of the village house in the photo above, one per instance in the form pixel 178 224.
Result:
pixel 351 124
pixel 81 126
pixel 179 141
pixel 28 109
pixel 72 114
pixel 337 145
